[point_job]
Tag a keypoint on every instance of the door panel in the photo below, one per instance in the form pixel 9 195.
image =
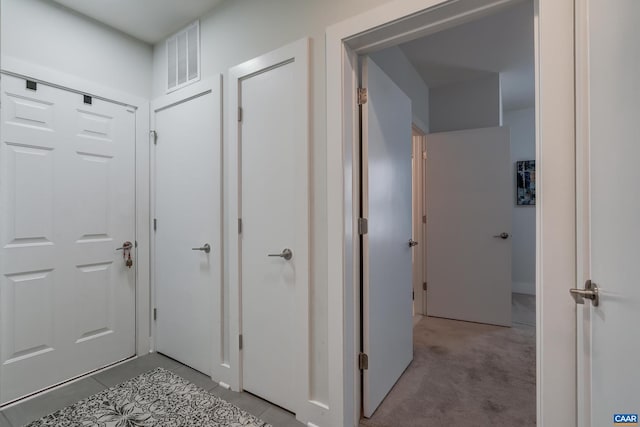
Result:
pixel 188 212
pixel 469 204
pixel 67 300
pixel 268 210
pixel 387 268
pixel 612 346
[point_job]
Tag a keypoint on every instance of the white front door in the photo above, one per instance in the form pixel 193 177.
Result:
pixel 274 240
pixel 67 299
pixel 609 350
pixel 469 205
pixel 187 232
pixel 387 270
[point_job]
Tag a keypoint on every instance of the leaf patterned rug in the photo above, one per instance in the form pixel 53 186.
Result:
pixel 158 398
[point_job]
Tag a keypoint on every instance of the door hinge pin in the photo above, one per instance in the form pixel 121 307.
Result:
pixel 362 96
pixel 363 226
pixel 363 361
pixel 240 342
pixel 154 135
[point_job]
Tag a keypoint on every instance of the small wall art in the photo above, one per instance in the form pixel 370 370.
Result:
pixel 526 183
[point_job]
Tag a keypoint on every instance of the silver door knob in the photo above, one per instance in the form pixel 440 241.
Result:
pixel 412 243
pixel 286 254
pixel 502 236
pixel 206 248
pixel 590 292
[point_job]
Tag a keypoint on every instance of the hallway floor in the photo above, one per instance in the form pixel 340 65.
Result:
pixel 33 409
pixel 467 374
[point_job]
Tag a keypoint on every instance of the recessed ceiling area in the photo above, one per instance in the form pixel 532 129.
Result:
pixel 500 43
pixel 148 20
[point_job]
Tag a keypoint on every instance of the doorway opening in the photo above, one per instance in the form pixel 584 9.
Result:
pixel 464 224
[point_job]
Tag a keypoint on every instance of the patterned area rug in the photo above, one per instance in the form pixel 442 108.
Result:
pixel 157 398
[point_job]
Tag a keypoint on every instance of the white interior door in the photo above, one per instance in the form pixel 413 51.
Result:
pixel 188 213
pixel 67 299
pixel 275 236
pixel 611 344
pixel 387 269
pixel 469 206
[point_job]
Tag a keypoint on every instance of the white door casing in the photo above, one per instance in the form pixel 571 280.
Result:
pixel 269 190
pixel 188 208
pixel 386 203
pixel 469 205
pixel 609 208
pixel 418 226
pixel 403 20
pixel 68 182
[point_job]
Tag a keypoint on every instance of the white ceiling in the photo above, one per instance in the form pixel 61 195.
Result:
pixel 502 43
pixel 147 20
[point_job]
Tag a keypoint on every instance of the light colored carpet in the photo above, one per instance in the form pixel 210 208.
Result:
pixel 158 398
pixel 464 374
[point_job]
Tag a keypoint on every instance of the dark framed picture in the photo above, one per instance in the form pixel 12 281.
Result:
pixel 526 183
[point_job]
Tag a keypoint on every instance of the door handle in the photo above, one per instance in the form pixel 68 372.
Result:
pixel 590 292
pixel 206 248
pixel 412 243
pixel 502 236
pixel 125 246
pixel 286 254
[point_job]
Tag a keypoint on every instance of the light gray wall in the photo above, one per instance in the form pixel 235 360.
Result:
pixel 395 64
pixel 465 105
pixel 239 30
pixel 523 147
pixel 46 34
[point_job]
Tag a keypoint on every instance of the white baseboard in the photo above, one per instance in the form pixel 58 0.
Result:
pixel 528 288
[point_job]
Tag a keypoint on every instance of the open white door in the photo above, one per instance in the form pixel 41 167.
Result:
pixel 188 254
pixel 609 347
pixel 387 269
pixel 469 225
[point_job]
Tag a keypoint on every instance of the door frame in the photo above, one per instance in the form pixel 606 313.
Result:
pixel 65 81
pixel 418 148
pixel 401 21
pixel 185 94
pixel 306 408
pixel 583 210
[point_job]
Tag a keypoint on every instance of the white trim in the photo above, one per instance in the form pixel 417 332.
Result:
pixel 556 221
pixel 307 410
pixel 418 140
pixel 583 212
pixel 219 370
pixel 66 81
pixel 555 212
pixel 527 288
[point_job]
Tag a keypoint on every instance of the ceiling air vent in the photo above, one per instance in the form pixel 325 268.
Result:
pixel 183 57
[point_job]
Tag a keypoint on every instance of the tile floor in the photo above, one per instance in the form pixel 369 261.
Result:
pixel 31 410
